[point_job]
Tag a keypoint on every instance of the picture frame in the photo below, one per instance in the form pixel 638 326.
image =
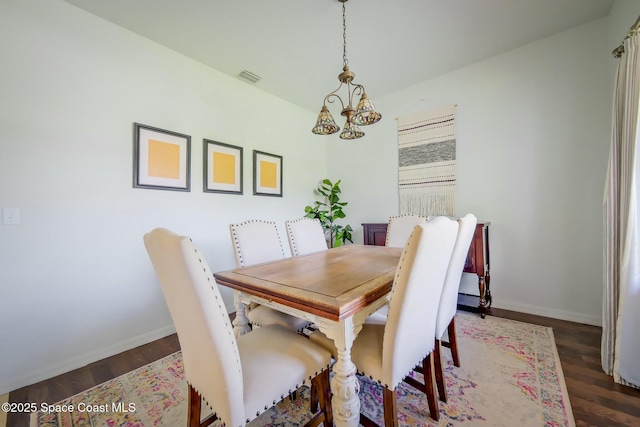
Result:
pixel 161 159
pixel 267 174
pixel 222 167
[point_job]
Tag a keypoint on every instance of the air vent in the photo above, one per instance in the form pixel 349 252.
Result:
pixel 249 76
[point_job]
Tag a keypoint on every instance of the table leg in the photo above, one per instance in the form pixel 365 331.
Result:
pixel 344 384
pixel 345 388
pixel 487 281
pixel 482 305
pixel 240 323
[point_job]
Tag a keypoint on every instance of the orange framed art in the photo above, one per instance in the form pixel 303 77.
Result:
pixel 161 159
pixel 267 174
pixel 222 168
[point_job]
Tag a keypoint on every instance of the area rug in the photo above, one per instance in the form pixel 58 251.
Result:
pixel 510 375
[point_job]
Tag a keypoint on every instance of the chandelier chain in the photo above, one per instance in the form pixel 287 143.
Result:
pixel 345 62
pixel 363 114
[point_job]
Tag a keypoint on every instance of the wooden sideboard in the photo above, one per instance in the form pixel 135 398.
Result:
pixel 477 261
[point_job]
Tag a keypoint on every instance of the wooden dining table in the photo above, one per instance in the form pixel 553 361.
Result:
pixel 336 290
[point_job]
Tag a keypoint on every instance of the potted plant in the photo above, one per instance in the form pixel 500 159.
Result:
pixel 328 211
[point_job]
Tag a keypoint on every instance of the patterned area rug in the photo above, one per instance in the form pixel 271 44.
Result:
pixel 510 375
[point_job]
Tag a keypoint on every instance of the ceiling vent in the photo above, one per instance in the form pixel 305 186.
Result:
pixel 249 76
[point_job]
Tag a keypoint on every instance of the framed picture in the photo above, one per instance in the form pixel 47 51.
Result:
pixel 222 167
pixel 161 159
pixel 267 174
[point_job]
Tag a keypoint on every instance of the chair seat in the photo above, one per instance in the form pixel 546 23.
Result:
pixel 366 354
pixel 379 317
pixel 261 315
pixel 388 352
pixel 255 242
pixel 325 342
pixel 237 378
pixel 275 362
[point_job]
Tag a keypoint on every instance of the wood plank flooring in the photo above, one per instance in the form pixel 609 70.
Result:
pixel 596 400
pixel 58 388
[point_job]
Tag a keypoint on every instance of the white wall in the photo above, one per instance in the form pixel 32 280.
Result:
pixel 533 131
pixel 76 281
pixel 532 147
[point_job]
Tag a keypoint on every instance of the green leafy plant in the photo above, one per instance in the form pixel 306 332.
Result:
pixel 328 211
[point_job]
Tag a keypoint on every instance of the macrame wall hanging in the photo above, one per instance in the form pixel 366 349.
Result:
pixel 427 162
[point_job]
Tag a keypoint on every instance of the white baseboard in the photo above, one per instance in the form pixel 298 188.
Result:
pixel 571 316
pixel 46 372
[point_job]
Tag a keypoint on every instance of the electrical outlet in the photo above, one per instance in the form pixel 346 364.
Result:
pixel 10 216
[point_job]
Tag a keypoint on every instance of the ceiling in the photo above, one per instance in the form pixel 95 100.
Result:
pixel 296 45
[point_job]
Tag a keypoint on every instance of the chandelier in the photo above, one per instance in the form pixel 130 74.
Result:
pixel 362 115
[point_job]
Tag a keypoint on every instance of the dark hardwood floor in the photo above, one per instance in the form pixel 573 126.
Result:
pixel 596 400
pixel 58 388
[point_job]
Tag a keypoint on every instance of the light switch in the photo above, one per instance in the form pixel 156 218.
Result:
pixel 10 216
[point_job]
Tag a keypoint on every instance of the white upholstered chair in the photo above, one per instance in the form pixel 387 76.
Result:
pixel 240 378
pixel 448 304
pixel 449 299
pixel 306 236
pixel 400 227
pixel 255 242
pixel 388 352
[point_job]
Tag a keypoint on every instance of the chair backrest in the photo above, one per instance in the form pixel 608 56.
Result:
pixel 305 235
pixel 410 329
pixel 256 241
pixel 400 227
pixel 209 348
pixel 449 298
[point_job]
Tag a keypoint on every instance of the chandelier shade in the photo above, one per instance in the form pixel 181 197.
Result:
pixel 325 125
pixel 363 114
pixel 366 113
pixel 351 131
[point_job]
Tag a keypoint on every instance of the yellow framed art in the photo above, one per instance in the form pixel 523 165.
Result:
pixel 267 174
pixel 222 167
pixel 161 159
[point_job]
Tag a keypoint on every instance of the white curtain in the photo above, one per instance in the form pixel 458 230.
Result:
pixel 621 310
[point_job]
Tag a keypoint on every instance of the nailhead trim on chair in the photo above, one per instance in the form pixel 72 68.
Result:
pixel 386 240
pixel 227 320
pixel 400 263
pixel 289 233
pixel 223 309
pixel 238 249
pixel 364 374
pixel 215 414
pixel 282 397
pixel 234 228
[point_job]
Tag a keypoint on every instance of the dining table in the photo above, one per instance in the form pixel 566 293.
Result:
pixel 335 290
